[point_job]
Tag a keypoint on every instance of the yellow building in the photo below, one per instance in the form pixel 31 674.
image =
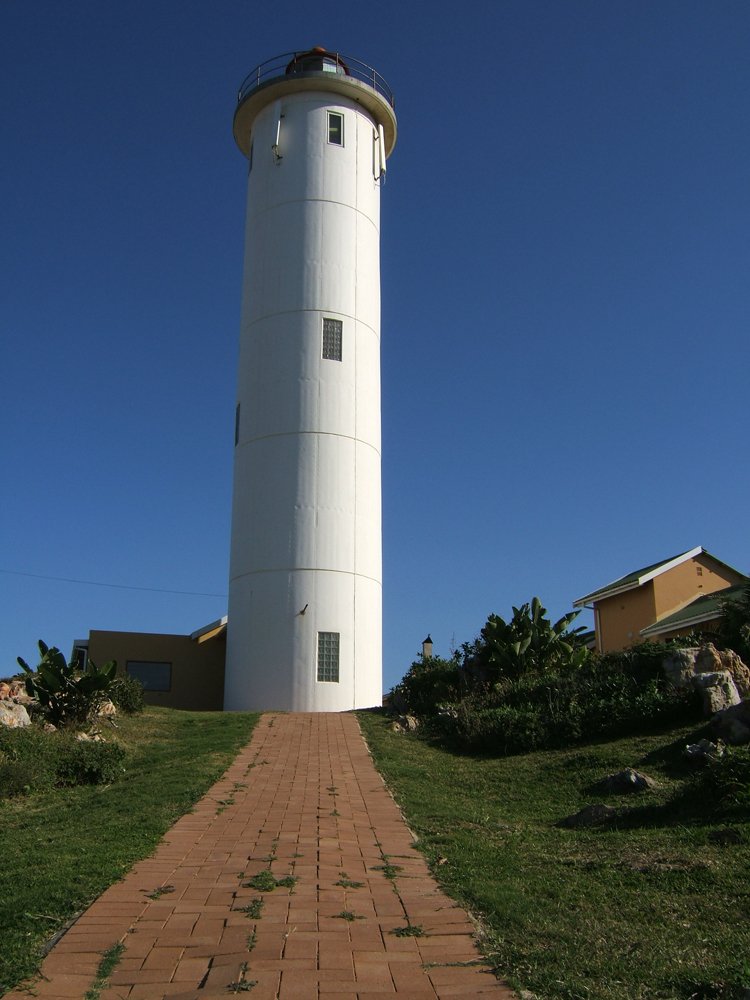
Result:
pixel 176 671
pixel 653 602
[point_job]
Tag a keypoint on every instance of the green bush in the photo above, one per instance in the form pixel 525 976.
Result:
pixel 32 760
pixel 428 683
pixel 89 763
pixel 602 697
pixel 126 694
pixel 16 778
pixel 722 787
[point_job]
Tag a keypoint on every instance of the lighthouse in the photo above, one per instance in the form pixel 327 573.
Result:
pixel 304 629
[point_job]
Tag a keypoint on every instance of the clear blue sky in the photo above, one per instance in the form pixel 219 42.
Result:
pixel 565 285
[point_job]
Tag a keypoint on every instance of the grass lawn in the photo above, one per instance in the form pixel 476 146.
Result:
pixel 59 850
pixel 655 908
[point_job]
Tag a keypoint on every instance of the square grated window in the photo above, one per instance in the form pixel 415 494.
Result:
pixel 328 656
pixel 332 337
pixel 335 128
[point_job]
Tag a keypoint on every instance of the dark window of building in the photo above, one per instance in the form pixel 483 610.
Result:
pixel 335 128
pixel 328 656
pixel 237 425
pixel 153 676
pixel 81 657
pixel 332 337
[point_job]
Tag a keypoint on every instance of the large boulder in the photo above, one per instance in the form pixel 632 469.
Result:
pixel 733 724
pixel 679 666
pixel 717 691
pixel 720 676
pixel 14 716
pixel 712 660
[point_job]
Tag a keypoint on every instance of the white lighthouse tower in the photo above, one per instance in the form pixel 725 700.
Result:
pixel 305 591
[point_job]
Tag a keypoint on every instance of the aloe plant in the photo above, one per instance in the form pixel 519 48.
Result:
pixel 67 696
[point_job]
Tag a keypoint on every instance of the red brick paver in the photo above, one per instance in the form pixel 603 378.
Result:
pixel 303 799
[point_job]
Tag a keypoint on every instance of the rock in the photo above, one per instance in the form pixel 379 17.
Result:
pixel 4 691
pixel 19 693
pixel 703 751
pixel 405 724
pixel 679 667
pixel 733 724
pixel 624 781
pixel 107 709
pixel 717 691
pixel 13 716
pixel 49 727
pixel 712 660
pixel 593 815
pixel 90 737
pixel 720 676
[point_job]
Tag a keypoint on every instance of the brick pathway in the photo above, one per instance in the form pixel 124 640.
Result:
pixel 303 800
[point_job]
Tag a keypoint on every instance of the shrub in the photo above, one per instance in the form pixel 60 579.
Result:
pixel 722 787
pixel 428 684
pixel 89 763
pixel 126 694
pixel 604 696
pixel 528 643
pixel 67 696
pixel 16 778
pixel 32 760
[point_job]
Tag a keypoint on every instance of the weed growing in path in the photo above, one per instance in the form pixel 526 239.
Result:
pixel 253 909
pixel 242 985
pixel 109 961
pixel 389 870
pixel 346 883
pixel 411 930
pixel 265 881
pixel 162 890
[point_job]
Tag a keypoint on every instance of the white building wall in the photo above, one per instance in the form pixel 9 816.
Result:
pixel 306 522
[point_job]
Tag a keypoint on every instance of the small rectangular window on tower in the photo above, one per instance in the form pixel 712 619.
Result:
pixel 335 128
pixel 332 339
pixel 237 425
pixel 328 656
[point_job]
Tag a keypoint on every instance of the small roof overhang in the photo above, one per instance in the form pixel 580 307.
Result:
pixel 210 631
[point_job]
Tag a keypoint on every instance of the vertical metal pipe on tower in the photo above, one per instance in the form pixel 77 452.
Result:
pixel 305 591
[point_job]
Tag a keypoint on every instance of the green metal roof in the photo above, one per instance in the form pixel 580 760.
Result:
pixel 707 607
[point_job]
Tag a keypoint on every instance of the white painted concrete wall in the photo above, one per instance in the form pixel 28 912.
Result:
pixel 306 521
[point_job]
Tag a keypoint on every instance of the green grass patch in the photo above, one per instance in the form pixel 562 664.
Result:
pixel 656 907
pixel 254 909
pixel 242 985
pixel 266 881
pixel 347 883
pixel 411 930
pixel 62 847
pixel 107 966
pixel 390 871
